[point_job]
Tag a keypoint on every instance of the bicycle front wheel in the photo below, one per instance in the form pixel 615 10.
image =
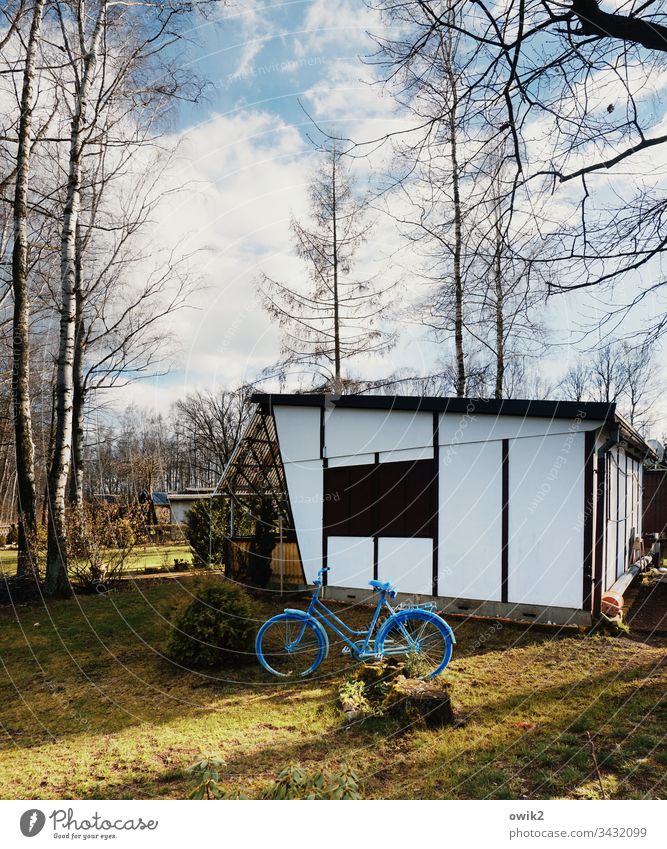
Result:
pixel 424 639
pixel 290 646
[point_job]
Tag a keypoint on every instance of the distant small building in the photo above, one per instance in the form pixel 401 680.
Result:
pixel 161 508
pixel 181 502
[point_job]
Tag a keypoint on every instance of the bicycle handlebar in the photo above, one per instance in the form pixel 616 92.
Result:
pixel 318 578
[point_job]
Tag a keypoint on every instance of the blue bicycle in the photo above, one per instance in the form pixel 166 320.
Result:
pixel 294 643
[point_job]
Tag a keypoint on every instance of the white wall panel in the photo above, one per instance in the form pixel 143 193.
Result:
pixel 470 522
pixel 612 516
pixel 425 453
pixel 305 486
pixel 350 560
pixel 298 432
pixel 623 528
pixel 640 501
pixel 546 508
pixel 456 428
pixel 351 460
pixel 367 431
pixel 407 563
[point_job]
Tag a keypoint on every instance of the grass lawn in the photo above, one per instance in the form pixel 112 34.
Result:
pixel 142 556
pixel 91 709
pixel 8 560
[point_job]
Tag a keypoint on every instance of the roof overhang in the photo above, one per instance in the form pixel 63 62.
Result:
pixel 591 410
pixel 596 411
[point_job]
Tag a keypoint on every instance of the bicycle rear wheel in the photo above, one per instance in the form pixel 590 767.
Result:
pixel 290 646
pixel 424 639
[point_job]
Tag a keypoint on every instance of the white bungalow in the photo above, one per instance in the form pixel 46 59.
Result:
pixel 523 509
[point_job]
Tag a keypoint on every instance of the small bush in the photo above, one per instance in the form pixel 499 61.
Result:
pixel 352 697
pixel 206 773
pixel 206 531
pixel 216 629
pixel 99 543
pixel 294 783
pixel 291 783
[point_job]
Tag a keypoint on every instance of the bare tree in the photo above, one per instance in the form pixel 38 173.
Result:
pixel 117 70
pixel 644 384
pixel 337 317
pixel 477 252
pixel 86 47
pixel 576 384
pixel 575 122
pixel 211 424
pixel 24 445
pixel 621 373
pixel 124 292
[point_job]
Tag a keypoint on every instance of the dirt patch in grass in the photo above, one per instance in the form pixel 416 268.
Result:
pixel 91 708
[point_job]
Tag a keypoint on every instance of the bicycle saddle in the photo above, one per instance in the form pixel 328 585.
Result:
pixel 381 586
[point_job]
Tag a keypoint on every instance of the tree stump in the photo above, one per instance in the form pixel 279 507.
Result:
pixel 384 688
pixel 425 703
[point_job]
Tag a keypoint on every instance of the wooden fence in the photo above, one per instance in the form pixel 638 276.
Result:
pixel 285 562
pixel 655 502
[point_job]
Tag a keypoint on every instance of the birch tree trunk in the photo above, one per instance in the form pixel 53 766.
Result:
pixel 57 583
pixel 460 379
pixel 25 449
pixel 500 312
pixel 338 384
pixel 76 474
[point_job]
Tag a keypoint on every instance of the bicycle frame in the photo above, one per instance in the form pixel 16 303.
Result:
pixel 401 632
pixel 319 611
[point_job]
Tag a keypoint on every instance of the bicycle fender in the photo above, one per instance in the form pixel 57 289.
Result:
pixel 301 614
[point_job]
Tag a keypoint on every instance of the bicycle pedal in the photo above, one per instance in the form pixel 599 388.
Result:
pixel 345 650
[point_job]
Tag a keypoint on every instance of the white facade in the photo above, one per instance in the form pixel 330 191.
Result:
pixel 514 507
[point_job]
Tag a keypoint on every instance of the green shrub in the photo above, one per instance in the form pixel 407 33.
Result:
pixel 207 530
pixel 206 773
pixel 216 629
pixel 291 783
pixel 294 783
pixel 99 543
pixel 352 697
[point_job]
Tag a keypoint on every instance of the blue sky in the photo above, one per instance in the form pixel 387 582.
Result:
pixel 246 158
pixel 268 55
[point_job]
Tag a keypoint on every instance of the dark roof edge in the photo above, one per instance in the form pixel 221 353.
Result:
pixel 634 438
pixel 591 410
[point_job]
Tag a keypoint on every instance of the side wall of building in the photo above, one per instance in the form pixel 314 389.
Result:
pixel 480 508
pixel 624 476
